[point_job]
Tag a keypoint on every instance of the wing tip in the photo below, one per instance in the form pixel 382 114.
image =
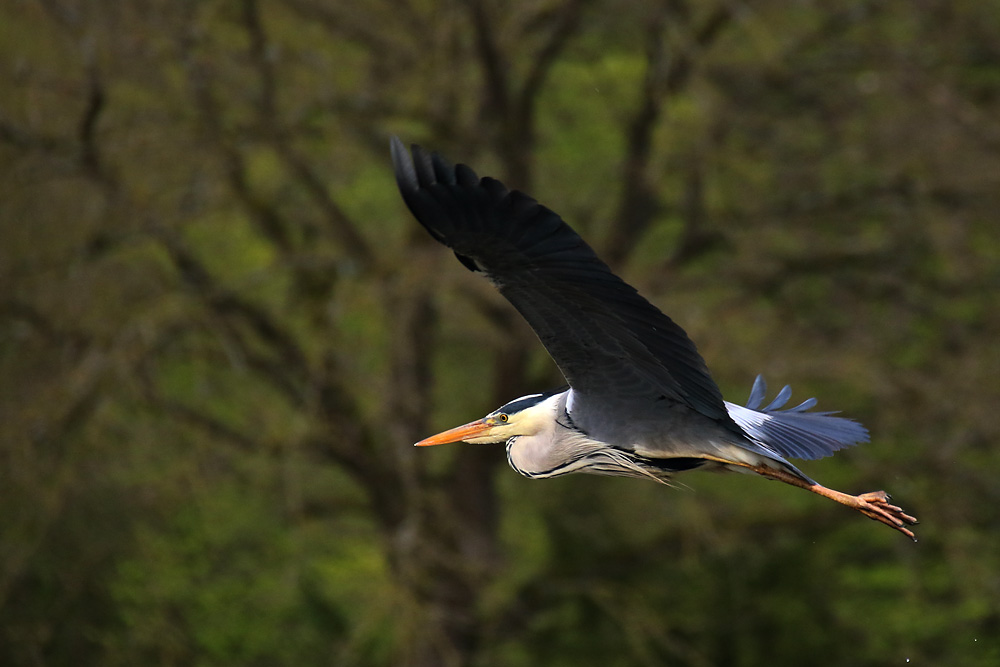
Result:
pixel 403 165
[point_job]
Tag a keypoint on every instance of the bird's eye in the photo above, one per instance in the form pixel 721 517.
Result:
pixel 502 418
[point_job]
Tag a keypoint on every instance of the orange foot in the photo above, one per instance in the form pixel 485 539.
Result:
pixel 875 505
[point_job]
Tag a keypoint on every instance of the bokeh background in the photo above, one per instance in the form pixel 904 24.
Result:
pixel 220 330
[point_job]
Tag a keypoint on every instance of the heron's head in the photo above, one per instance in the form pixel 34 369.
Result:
pixel 523 416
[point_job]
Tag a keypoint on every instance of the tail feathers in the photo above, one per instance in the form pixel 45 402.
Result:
pixel 794 432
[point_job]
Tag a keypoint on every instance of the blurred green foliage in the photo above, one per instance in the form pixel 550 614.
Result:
pixel 220 331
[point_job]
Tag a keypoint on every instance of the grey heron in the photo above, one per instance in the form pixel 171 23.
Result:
pixel 640 401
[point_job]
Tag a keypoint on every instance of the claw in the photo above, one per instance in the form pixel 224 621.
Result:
pixel 875 505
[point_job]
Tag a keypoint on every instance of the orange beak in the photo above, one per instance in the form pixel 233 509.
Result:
pixel 457 434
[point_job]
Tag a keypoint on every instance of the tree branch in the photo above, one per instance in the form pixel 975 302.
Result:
pixel 291 372
pixel 667 73
pixel 90 155
pixel 337 219
pixel 565 25
pixel 339 223
pixel 267 218
pixel 497 98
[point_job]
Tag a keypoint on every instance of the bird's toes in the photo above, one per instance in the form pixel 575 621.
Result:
pixel 879 502
pixel 880 497
pixel 876 506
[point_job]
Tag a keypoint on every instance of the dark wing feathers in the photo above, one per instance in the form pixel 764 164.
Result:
pixel 606 339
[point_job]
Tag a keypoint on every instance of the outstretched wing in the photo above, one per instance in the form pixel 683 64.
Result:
pixel 608 341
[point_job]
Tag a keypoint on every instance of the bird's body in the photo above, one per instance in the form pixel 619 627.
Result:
pixel 640 401
pixel 558 446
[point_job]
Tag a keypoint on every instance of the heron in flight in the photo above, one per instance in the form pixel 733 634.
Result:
pixel 640 401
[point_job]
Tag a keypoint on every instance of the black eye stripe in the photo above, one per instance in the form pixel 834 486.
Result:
pixel 525 402
pixel 520 404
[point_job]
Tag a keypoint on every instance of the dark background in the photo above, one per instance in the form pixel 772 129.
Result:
pixel 220 330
